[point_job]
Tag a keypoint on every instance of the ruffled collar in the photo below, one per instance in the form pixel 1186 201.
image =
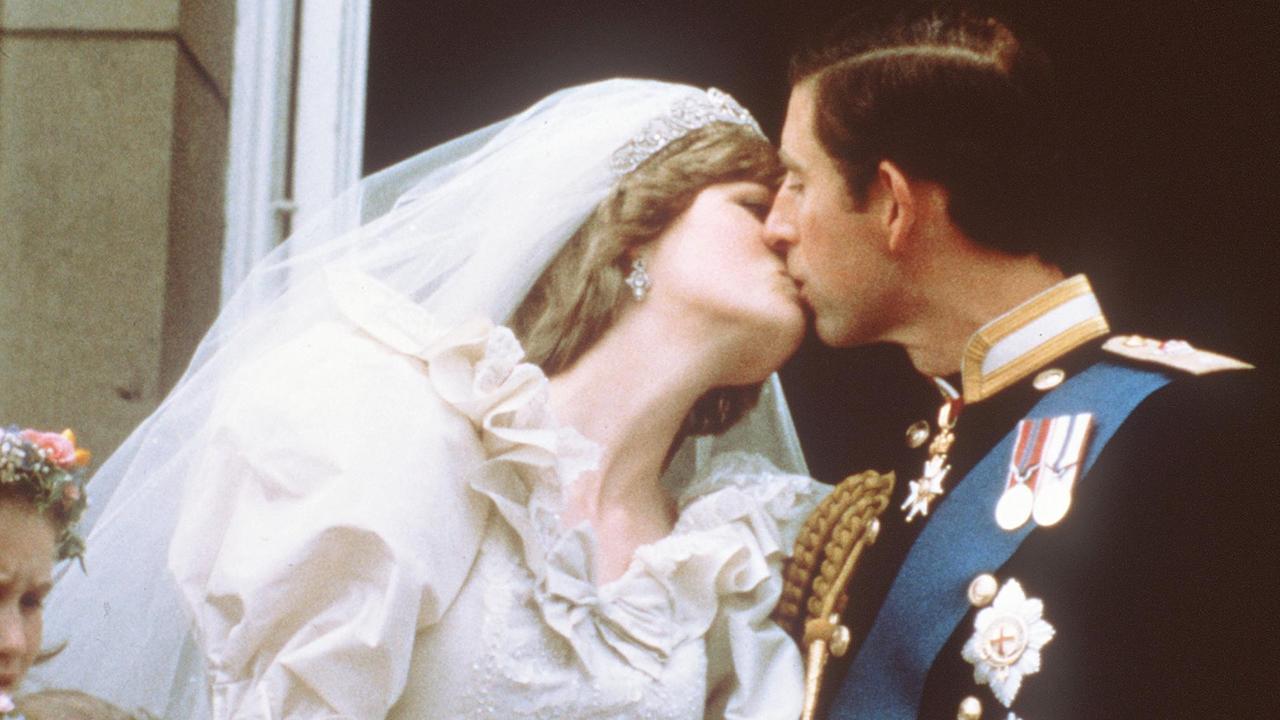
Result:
pixel 726 540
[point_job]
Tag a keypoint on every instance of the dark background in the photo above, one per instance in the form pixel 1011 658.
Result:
pixel 1171 111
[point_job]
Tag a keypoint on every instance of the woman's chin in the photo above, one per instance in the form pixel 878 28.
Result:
pixel 769 349
pixel 790 331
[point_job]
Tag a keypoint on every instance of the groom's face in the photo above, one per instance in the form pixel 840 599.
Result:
pixel 837 252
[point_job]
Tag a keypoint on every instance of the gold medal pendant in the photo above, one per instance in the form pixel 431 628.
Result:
pixel 928 486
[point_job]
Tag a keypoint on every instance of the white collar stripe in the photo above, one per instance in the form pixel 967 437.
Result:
pixel 1031 335
pixel 1043 329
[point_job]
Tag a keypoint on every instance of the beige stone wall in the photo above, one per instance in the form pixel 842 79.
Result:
pixel 113 144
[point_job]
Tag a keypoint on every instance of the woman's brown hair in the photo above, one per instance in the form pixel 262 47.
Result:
pixel 579 295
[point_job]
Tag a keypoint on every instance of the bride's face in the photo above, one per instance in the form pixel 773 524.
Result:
pixel 716 272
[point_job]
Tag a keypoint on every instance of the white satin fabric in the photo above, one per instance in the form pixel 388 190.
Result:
pixel 462 230
pixel 376 534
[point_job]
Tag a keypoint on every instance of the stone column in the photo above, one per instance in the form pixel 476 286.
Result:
pixel 113 144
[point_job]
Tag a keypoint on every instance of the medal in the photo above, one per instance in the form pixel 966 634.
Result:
pixel 1015 504
pixel 1058 478
pixel 928 486
pixel 1014 507
pixel 1042 470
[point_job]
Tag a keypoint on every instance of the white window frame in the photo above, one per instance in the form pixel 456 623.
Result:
pixel 318 107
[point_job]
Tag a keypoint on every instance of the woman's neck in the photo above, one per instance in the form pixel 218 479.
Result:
pixel 630 394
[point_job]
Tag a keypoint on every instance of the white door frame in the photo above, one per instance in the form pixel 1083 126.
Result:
pixel 296 134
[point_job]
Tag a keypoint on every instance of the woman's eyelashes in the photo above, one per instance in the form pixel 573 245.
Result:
pixel 757 202
pixel 758 208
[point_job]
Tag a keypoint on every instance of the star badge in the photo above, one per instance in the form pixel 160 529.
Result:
pixel 1006 643
pixel 928 487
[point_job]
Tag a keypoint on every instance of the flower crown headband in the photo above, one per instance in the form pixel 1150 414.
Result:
pixel 48 468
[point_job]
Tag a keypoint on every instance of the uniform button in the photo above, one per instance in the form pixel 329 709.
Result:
pixel 1049 379
pixel 970 709
pixel 873 532
pixel 983 590
pixel 917 434
pixel 840 639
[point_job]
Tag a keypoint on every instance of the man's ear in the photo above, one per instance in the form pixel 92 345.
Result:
pixel 900 212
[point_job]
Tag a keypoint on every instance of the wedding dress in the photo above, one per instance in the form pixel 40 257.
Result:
pixel 349 505
pixel 455 451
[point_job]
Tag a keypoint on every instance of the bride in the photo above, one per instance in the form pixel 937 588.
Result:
pixel 498 436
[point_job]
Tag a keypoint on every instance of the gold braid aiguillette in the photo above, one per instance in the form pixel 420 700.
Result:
pixel 816 580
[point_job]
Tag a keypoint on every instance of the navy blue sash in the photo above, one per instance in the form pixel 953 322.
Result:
pixel 928 598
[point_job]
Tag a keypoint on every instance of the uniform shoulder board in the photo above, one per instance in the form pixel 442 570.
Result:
pixel 1178 354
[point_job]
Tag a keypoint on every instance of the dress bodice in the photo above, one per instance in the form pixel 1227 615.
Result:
pixel 516 645
pixel 462 593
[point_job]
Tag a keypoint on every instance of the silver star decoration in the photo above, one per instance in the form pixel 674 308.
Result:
pixel 1007 640
pixel 928 487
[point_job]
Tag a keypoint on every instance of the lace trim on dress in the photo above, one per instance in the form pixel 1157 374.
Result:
pixel 737 522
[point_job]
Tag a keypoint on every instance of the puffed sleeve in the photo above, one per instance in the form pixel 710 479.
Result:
pixel 328 521
pixel 755 667
pixel 755 670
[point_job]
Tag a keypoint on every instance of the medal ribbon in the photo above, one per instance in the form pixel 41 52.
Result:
pixel 1032 435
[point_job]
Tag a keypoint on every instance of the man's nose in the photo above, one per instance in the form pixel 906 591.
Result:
pixel 779 230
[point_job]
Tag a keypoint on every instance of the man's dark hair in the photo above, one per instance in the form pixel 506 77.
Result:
pixel 950 95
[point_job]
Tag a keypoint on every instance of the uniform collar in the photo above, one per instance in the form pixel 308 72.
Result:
pixel 1030 336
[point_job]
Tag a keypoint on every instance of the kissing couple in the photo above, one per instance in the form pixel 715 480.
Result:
pixel 499 434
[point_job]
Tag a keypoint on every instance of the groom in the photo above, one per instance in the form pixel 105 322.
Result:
pixel 1072 535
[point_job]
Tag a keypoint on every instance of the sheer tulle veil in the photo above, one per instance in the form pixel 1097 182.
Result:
pixel 463 229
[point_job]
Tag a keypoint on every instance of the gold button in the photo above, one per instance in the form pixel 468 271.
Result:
pixel 1049 379
pixel 840 640
pixel 983 590
pixel 970 709
pixel 918 433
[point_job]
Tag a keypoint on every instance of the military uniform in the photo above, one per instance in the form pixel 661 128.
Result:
pixel 1150 593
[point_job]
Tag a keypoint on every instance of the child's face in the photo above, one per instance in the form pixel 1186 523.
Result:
pixel 28 542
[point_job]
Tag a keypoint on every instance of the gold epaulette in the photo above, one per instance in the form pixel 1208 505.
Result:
pixel 816 580
pixel 1177 354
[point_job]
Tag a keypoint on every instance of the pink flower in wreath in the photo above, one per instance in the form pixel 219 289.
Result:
pixel 60 448
pixel 70 494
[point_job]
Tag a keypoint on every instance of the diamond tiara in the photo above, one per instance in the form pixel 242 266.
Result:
pixel 687 114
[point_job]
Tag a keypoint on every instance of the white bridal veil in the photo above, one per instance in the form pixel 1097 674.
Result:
pixel 464 230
